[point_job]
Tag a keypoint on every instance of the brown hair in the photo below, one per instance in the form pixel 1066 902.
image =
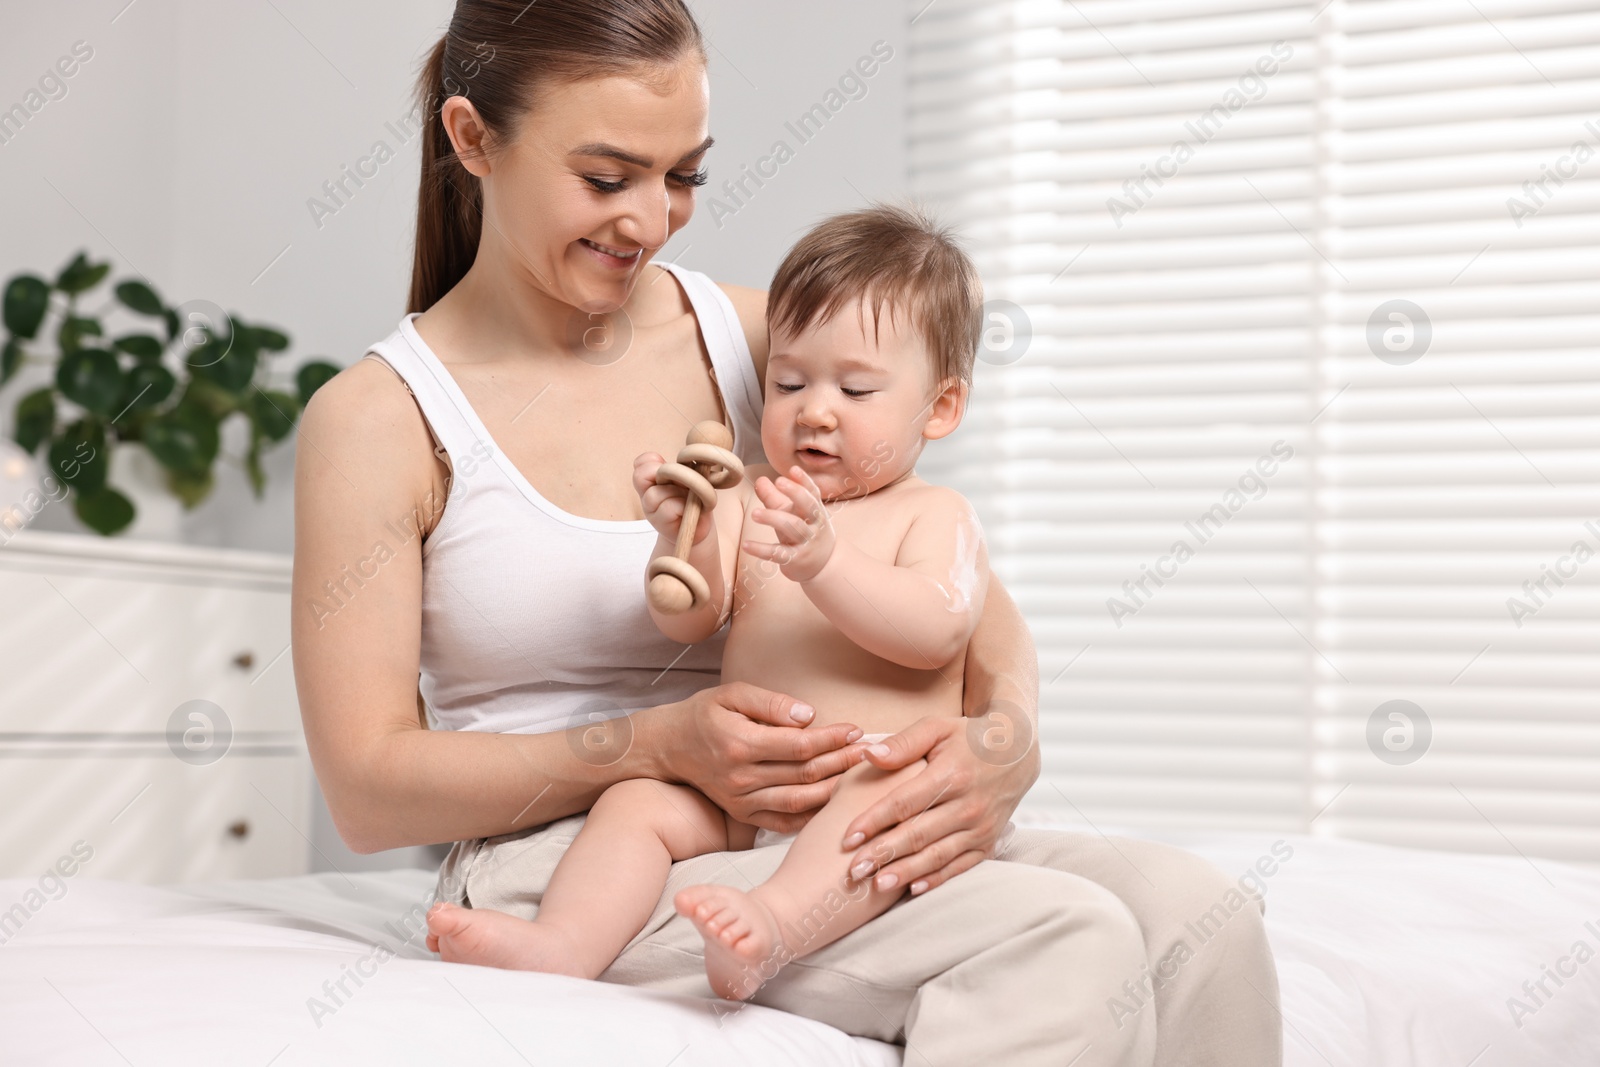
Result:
pixel 498 53
pixel 897 256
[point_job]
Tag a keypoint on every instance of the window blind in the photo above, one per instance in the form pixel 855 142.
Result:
pixel 1286 432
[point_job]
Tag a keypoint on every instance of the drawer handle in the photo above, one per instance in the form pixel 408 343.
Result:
pixel 244 660
pixel 240 829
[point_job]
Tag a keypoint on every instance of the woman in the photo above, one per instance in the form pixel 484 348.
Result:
pixel 564 144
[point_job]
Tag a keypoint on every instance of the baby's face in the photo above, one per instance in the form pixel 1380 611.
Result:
pixel 849 409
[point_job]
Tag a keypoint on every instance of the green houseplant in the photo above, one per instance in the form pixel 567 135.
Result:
pixel 168 389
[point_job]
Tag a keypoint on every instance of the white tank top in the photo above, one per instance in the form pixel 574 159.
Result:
pixel 534 619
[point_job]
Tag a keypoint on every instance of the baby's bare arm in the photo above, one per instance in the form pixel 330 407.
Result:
pixel 920 610
pixel 917 611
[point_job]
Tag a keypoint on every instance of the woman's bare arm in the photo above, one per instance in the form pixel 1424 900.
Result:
pixel 364 462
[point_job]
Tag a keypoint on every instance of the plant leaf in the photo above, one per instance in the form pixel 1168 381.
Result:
pixel 36 418
pixel 26 301
pixel 273 414
pixel 191 487
pixel 10 359
pixel 270 339
pixel 137 296
pixel 73 330
pixel 81 275
pixel 147 385
pixel 227 360
pixel 209 398
pixel 105 510
pixel 184 439
pixel 252 465
pixel 91 377
pixel 244 336
pixel 313 376
pixel 234 371
pixel 140 346
pixel 79 457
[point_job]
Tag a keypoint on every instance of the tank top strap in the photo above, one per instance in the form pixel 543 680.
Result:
pixel 453 433
pixel 730 358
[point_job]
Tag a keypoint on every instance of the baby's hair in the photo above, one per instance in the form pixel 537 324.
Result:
pixel 887 255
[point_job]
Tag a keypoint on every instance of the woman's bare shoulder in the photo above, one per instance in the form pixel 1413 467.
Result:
pixel 366 397
pixel 751 304
pixel 366 428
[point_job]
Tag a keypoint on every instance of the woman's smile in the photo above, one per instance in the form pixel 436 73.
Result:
pixel 611 257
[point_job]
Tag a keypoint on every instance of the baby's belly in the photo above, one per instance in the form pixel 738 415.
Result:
pixel 799 653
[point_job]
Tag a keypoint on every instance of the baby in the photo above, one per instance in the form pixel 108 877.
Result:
pixel 853 586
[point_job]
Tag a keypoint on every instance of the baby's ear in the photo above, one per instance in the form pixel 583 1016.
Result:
pixel 948 408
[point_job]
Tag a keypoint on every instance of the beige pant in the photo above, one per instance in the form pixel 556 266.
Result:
pixel 1049 954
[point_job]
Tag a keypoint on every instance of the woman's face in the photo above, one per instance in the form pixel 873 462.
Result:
pixel 599 176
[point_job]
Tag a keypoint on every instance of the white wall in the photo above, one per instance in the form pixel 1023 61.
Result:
pixel 187 148
pixel 770 63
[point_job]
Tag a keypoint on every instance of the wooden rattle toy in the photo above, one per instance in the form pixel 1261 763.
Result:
pixel 705 465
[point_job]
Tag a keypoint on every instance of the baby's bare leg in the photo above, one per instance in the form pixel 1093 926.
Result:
pixel 810 900
pixel 602 891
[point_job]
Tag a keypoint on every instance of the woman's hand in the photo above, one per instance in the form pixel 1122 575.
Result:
pixel 664 504
pixel 751 753
pixel 951 815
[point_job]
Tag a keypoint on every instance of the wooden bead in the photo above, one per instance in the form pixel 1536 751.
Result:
pixel 675 586
pixel 711 432
pixel 669 595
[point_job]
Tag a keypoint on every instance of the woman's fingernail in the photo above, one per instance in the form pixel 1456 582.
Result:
pixel 853 735
pixel 854 839
pixel 888 881
pixel 861 870
pixel 802 713
pixel 879 750
pixel 918 887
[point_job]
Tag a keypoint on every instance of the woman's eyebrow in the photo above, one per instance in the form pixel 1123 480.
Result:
pixel 613 152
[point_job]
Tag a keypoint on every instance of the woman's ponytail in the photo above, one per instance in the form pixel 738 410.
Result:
pixel 449 200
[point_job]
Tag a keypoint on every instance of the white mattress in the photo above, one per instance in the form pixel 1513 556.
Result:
pixel 1387 957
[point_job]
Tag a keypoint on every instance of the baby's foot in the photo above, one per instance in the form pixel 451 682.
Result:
pixel 495 939
pixel 744 947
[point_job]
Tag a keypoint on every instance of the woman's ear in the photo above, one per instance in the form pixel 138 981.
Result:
pixel 467 133
pixel 949 405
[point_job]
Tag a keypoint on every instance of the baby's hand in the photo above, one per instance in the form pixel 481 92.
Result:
pixel 795 511
pixel 663 504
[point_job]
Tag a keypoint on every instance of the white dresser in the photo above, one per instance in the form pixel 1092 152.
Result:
pixel 148 713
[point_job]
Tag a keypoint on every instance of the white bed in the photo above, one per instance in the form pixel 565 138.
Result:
pixel 1387 957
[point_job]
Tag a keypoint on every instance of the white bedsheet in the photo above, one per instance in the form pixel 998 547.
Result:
pixel 1387 957
pixel 1392 957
